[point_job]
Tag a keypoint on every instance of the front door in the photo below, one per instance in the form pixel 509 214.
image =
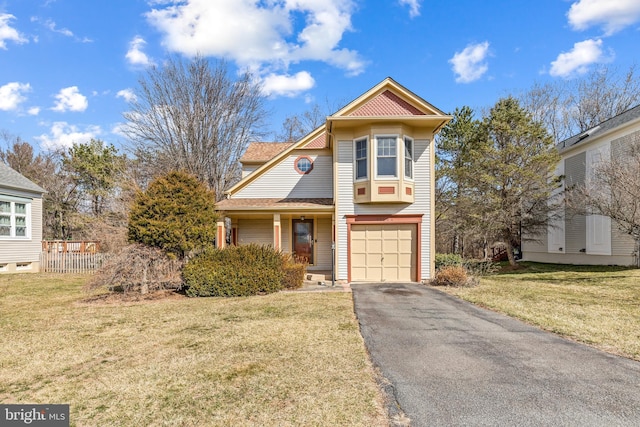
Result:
pixel 303 239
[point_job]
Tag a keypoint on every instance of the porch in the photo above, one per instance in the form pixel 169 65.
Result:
pixel 302 227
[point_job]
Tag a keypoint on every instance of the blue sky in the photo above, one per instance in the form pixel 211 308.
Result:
pixel 68 67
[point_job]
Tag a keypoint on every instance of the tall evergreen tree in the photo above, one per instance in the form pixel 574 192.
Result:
pixel 512 174
pixel 456 146
pixel 176 214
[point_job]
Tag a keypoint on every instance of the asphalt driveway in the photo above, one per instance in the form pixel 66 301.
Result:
pixel 451 363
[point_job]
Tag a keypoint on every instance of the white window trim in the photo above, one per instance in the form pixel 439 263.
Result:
pixel 13 201
pixel 413 160
pixel 355 158
pixel 375 158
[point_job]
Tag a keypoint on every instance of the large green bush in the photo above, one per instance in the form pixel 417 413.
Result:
pixel 176 214
pixel 444 260
pixel 235 271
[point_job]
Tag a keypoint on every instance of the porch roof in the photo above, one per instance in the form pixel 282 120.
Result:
pixel 280 204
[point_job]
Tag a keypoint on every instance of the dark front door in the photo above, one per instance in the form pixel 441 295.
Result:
pixel 303 239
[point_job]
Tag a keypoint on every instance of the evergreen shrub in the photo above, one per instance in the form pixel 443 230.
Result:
pixel 176 214
pixel 443 260
pixel 234 271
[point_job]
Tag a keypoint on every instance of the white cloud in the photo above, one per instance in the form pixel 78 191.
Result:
pixel 9 33
pixel 470 64
pixel 414 7
pixel 260 35
pixel 33 111
pixel 612 15
pixel 286 85
pixel 135 55
pixel 127 94
pixel 70 99
pixel 64 135
pixel 578 59
pixel 12 95
pixel 51 25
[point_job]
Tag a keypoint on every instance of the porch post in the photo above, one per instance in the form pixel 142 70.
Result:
pixel 234 232
pixel 277 232
pixel 221 234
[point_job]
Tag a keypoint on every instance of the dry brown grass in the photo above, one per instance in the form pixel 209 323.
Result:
pixel 596 305
pixel 285 359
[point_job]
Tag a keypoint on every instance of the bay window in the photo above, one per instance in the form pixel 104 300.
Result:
pixel 361 158
pixel 408 157
pixel 386 159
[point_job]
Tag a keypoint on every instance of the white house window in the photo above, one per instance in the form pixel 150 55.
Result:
pixel 408 157
pixel 386 159
pixel 361 158
pixel 14 219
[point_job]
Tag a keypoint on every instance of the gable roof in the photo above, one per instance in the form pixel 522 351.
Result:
pixel 260 152
pixel 623 118
pixel 386 101
pixel 10 178
pixel 377 101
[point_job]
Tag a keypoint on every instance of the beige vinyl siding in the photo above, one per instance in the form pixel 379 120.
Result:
pixel 247 169
pixel 323 244
pixel 345 204
pixel 258 231
pixel 286 235
pixel 24 250
pixel 621 243
pixel 575 225
pixel 283 181
pixel 421 205
pixel 537 245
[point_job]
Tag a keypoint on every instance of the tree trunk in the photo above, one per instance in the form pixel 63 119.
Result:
pixel 507 241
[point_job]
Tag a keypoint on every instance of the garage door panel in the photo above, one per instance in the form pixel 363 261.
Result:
pixel 383 252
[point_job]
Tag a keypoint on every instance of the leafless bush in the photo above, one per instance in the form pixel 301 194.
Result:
pixel 138 268
pixel 453 275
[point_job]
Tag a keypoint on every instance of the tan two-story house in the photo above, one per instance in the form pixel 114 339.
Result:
pixel 356 194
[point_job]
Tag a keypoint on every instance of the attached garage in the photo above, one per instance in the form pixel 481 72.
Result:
pixel 383 252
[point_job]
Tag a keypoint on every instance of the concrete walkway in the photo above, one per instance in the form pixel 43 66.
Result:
pixel 451 363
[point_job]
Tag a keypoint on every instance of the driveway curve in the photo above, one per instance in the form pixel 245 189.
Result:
pixel 451 363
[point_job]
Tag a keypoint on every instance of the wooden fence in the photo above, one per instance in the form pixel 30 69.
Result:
pixel 61 256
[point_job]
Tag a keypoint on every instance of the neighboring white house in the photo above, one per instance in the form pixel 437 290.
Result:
pixel 588 239
pixel 362 183
pixel 20 222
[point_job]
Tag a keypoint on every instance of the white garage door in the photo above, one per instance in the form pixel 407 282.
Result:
pixel 383 252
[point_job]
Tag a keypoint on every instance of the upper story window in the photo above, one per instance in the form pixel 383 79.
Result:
pixel 14 219
pixel 386 157
pixel 361 158
pixel 408 157
pixel 303 165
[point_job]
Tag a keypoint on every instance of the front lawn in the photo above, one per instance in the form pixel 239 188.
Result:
pixel 597 305
pixel 277 360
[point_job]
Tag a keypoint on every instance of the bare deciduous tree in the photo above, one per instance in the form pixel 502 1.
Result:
pixel 568 108
pixel 614 190
pixel 298 125
pixel 197 118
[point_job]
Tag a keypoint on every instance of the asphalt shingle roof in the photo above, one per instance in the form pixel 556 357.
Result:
pixel 273 203
pixel 614 122
pixel 263 151
pixel 9 178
